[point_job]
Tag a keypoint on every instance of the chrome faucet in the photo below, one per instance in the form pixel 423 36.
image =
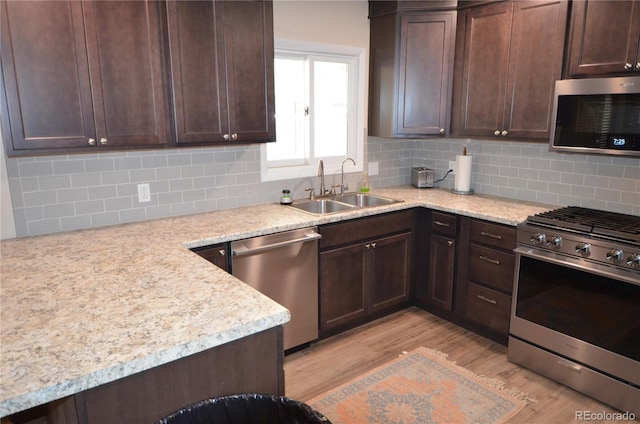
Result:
pixel 323 189
pixel 342 186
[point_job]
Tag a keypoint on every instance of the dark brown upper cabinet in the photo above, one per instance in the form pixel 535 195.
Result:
pixel 411 70
pixel 222 71
pixel 508 57
pixel 80 76
pixel 605 38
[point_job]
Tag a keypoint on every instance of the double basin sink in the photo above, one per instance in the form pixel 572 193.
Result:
pixel 341 203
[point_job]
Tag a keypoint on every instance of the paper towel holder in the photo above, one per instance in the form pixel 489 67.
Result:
pixel 454 191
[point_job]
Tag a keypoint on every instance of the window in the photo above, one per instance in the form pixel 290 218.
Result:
pixel 319 93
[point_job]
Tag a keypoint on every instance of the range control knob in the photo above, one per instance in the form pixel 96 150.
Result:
pixel 555 241
pixel 614 255
pixel 634 259
pixel 538 238
pixel 583 248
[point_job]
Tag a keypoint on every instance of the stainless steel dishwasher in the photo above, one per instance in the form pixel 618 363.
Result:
pixel 284 267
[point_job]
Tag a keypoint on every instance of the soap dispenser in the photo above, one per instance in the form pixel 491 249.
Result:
pixel 364 184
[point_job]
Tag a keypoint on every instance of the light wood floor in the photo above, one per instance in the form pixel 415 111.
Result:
pixel 336 360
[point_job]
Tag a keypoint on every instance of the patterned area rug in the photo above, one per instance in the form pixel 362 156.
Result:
pixel 420 387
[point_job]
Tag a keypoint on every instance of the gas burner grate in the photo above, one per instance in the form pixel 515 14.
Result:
pixel 593 221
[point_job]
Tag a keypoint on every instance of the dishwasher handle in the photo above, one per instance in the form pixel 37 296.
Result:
pixel 243 250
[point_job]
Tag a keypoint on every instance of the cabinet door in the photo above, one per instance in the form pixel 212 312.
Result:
pixel 605 37
pixel 343 291
pixel 486 32
pixel 425 73
pixel 389 270
pixel 125 60
pixel 198 72
pixel 441 271
pixel 46 76
pixel 248 39
pixel 537 45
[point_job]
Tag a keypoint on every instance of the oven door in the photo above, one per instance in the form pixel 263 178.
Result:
pixel 584 311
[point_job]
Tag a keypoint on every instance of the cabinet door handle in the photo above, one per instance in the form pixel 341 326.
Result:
pixel 441 224
pixel 103 141
pixel 368 246
pixel 442 131
pixel 225 137
pixel 496 132
pixel 449 243
pixel 92 142
pixel 504 133
pixel 628 66
pixel 234 136
pixel 486 299
pixel 493 236
pixel 492 261
pixel 638 66
pixel 222 252
pixel 373 245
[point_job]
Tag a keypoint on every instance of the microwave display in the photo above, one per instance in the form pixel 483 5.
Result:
pixel 597 116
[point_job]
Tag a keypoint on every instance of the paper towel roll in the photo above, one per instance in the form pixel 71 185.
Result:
pixel 463 173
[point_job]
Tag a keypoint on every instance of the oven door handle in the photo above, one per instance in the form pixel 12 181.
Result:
pixel 579 264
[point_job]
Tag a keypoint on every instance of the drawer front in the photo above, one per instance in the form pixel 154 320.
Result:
pixel 444 223
pixel 495 235
pixel 360 229
pixel 488 307
pixel 492 267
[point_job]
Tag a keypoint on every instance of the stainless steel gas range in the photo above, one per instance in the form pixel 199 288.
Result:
pixel 575 316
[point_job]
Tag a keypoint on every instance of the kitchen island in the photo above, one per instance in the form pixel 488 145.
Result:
pixel 83 309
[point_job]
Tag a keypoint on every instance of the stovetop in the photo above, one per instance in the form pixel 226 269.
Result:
pixel 592 235
pixel 591 222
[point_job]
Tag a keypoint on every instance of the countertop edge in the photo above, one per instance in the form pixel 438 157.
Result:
pixel 97 378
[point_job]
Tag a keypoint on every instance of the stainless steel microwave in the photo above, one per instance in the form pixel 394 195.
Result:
pixel 597 115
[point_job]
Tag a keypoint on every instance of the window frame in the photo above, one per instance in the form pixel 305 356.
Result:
pixel 358 137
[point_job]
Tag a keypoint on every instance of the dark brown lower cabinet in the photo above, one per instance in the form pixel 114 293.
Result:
pixel 365 269
pixel 442 260
pixel 466 271
pixel 441 271
pixel 253 364
pixel 486 272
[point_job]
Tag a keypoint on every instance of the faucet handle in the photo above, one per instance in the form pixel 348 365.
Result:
pixel 312 193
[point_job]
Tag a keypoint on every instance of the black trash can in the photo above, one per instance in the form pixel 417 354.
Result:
pixel 246 409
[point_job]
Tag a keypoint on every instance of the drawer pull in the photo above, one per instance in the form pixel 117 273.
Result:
pixel 442 224
pixel 492 261
pixel 486 299
pixel 493 236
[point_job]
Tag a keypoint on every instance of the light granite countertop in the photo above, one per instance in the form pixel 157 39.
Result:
pixel 84 308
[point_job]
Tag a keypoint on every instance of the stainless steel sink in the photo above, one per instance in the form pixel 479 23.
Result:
pixel 342 203
pixel 321 206
pixel 365 200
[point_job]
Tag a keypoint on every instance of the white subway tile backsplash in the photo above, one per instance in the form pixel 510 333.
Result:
pixel 68 166
pixel 35 169
pixel 61 193
pixel 86 180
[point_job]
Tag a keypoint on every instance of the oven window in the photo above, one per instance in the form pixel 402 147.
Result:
pixel 601 121
pixel 595 309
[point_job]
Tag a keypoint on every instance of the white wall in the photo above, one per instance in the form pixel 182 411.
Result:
pixel 340 22
pixel 333 22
